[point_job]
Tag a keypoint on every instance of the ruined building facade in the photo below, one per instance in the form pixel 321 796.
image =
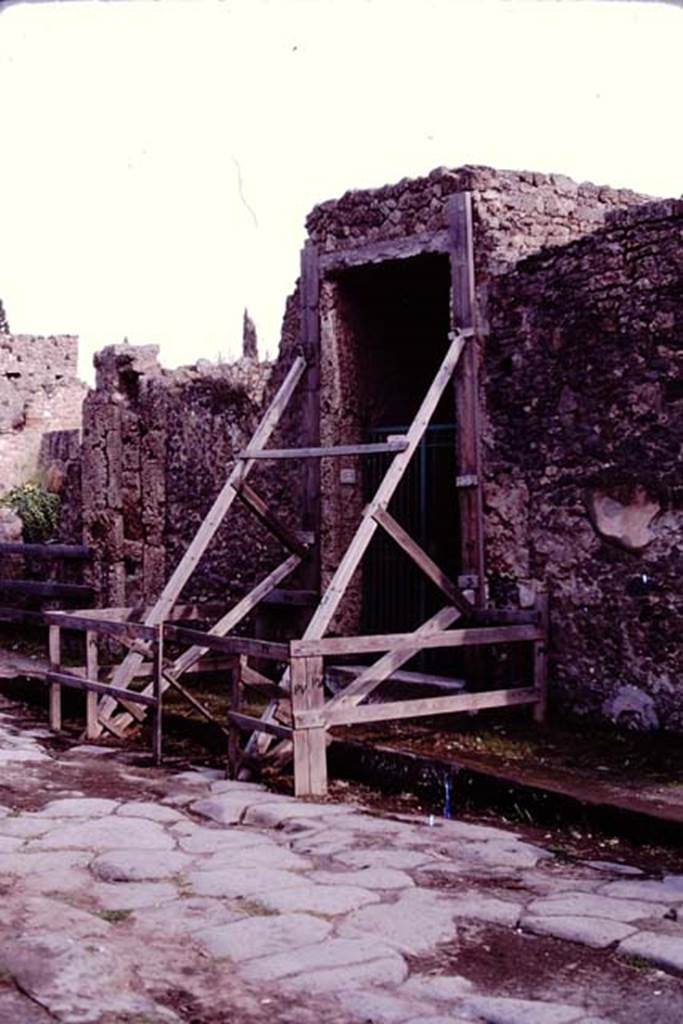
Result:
pixel 40 407
pixel 577 314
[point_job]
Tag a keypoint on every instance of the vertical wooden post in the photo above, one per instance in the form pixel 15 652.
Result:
pixel 158 685
pixel 310 745
pixel 310 413
pixel 541 661
pixel 55 658
pixel 235 705
pixel 91 672
pixel 467 411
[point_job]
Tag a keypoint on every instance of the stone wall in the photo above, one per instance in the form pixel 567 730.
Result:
pixel 514 214
pixel 39 393
pixel 157 448
pixel 582 454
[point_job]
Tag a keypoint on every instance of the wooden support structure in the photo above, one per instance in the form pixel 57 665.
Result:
pixel 467 412
pixel 541 661
pixel 422 560
pixel 265 514
pixel 334 451
pixel 298 715
pixel 171 592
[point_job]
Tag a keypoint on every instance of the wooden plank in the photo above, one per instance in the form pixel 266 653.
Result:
pixel 468 457
pixel 187 661
pixel 327 646
pixel 417 708
pixel 341 675
pixel 250 723
pixel 157 682
pixel 234 751
pixel 50 551
pixel 262 684
pixel 263 512
pixel 541 662
pixel 128 631
pixel 211 665
pixel 21 615
pixel 387 249
pixel 92 672
pixel 228 644
pixel 193 701
pixel 309 419
pixel 204 535
pixel 40 588
pixel 422 560
pixel 334 451
pixel 55 692
pixel 80 683
pixel 310 747
pixel 371 678
pixel 240 611
pixel 337 587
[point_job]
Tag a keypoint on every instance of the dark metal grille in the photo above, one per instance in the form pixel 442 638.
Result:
pixel 396 595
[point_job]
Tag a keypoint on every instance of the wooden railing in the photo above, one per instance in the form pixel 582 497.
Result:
pixel 22 597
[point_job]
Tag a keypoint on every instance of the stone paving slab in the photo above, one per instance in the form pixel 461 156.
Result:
pixel 589 931
pixel 106 833
pixel 521 1011
pixel 663 950
pixel 326 900
pixel 231 892
pixel 415 923
pixel 669 890
pixel 367 878
pixel 332 965
pixel 592 905
pixel 263 936
pixel 139 865
pixel 243 881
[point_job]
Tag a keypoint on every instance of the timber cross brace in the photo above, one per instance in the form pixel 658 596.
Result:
pixel 297 714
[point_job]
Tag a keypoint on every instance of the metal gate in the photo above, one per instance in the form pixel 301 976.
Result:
pixel 396 595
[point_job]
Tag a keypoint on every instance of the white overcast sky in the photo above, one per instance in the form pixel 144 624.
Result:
pixel 157 159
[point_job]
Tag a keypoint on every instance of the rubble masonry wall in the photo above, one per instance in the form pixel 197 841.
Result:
pixel 583 492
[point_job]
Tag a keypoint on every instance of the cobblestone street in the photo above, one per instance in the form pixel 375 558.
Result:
pixel 132 894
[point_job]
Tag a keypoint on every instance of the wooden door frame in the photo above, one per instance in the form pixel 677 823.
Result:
pixel 457 243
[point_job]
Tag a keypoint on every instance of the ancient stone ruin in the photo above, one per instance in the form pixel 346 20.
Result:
pixel 40 395
pixel 559 477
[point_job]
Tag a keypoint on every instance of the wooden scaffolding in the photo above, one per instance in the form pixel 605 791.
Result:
pixel 300 709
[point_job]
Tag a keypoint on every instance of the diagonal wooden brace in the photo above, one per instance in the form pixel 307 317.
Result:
pixel 363 685
pixel 263 512
pixel 422 560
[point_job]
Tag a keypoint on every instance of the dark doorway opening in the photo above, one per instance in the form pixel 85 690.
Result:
pixel 397 314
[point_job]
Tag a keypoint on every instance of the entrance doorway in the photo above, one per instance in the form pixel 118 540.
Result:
pixel 394 319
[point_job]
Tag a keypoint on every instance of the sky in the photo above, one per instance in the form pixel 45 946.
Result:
pixel 158 159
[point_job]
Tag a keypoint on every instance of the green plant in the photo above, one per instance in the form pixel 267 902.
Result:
pixel 37 508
